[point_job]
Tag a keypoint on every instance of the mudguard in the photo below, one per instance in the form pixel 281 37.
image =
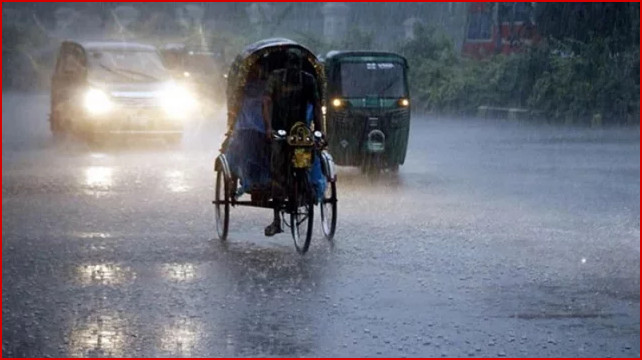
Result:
pixel 327 166
pixel 221 164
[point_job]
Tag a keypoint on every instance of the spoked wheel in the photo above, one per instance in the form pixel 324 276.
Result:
pixel 301 215
pixel 222 205
pixel 328 208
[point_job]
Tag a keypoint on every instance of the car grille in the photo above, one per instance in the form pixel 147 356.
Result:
pixel 138 102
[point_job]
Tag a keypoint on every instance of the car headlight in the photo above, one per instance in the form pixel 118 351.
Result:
pixel 177 101
pixel 97 102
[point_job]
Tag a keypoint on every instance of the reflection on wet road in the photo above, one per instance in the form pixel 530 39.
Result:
pixel 495 239
pixel 179 272
pixel 103 274
pixel 99 335
pixel 180 338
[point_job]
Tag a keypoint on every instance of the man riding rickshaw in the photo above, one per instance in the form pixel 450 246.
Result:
pixel 274 147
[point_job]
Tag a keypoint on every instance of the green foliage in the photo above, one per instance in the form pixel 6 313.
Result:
pixel 617 25
pixel 577 86
pixel 357 39
pixel 437 81
pixel 567 81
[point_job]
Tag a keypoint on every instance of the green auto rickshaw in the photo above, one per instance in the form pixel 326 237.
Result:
pixel 368 110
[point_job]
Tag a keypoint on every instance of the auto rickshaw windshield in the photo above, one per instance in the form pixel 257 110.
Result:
pixel 382 79
pixel 126 66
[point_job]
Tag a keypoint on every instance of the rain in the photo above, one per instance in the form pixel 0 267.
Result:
pixel 437 179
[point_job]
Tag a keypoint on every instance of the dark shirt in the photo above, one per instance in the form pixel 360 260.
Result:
pixel 290 97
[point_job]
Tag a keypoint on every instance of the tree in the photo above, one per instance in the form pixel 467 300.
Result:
pixel 618 24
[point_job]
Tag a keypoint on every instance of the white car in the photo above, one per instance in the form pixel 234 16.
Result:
pixel 115 89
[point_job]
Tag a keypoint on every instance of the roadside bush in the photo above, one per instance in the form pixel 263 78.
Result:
pixel 588 84
pixel 564 81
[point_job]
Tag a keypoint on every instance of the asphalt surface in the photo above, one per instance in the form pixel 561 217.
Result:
pixel 495 239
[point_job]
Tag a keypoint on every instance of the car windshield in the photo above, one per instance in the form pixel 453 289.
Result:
pixel 126 66
pixel 382 79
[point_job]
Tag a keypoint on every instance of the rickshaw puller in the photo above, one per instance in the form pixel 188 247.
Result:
pixel 288 94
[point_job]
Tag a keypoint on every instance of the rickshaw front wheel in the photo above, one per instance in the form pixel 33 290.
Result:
pixel 328 209
pixel 222 205
pixel 301 214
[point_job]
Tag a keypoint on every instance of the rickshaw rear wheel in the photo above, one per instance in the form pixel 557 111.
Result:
pixel 222 210
pixel 301 214
pixel 328 209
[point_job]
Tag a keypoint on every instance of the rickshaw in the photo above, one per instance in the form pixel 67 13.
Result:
pixel 310 177
pixel 368 115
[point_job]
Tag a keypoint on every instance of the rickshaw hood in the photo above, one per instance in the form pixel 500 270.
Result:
pixel 238 71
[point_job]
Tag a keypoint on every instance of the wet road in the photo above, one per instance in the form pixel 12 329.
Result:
pixel 495 239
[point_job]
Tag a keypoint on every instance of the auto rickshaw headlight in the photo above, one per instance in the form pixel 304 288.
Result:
pixel 337 102
pixel 177 101
pixel 97 102
pixel 404 102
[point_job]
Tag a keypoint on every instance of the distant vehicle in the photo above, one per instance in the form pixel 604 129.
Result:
pixel 499 28
pixel 368 111
pixel 102 89
pixel 199 70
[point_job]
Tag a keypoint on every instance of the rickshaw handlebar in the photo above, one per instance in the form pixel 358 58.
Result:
pixel 319 137
pixel 279 135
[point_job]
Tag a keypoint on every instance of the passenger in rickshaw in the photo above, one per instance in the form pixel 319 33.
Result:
pixel 249 150
pixel 290 96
